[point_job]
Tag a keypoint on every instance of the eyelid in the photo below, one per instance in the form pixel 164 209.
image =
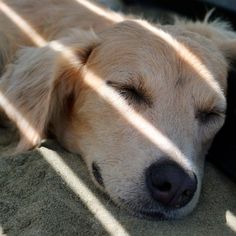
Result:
pixel 218 111
pixel 210 116
pixel 138 92
pixel 215 110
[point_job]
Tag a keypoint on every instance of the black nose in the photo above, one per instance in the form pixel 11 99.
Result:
pixel 170 184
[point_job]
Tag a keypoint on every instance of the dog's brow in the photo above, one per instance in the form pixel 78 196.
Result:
pixel 212 104
pixel 216 109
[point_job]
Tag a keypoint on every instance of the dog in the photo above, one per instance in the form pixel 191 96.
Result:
pixel 140 102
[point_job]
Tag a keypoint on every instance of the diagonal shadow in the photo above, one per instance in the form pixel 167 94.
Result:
pixel 114 94
pixel 135 119
pixel 106 219
pixel 148 129
pixel 36 200
pixel 48 198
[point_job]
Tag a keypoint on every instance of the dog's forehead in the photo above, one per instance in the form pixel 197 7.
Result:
pixel 133 37
pixel 131 47
pixel 159 56
pixel 146 43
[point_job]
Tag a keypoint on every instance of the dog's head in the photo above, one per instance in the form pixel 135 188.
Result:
pixel 141 104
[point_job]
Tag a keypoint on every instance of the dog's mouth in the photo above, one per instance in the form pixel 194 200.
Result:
pixel 144 205
pixel 149 213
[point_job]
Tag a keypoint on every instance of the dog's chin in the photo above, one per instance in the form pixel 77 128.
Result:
pixel 144 207
pixel 150 213
pixel 153 211
pixel 155 215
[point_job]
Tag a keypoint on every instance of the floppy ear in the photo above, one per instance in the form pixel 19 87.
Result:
pixel 219 32
pixel 40 81
pixel 228 47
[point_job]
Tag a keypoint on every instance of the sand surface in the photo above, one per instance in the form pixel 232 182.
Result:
pixel 38 196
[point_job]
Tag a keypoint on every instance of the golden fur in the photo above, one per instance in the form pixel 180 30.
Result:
pixel 178 72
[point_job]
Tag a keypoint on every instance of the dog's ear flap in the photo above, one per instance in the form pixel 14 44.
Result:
pixel 228 48
pixel 29 86
pixel 219 32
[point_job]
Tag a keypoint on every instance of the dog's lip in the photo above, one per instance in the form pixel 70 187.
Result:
pixel 151 213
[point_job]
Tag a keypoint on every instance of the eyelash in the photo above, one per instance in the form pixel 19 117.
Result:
pixel 132 94
pixel 208 117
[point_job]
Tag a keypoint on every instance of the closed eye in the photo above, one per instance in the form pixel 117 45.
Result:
pixel 209 117
pixel 134 95
pixel 131 94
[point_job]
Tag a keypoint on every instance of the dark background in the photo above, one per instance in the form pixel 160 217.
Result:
pixel 195 9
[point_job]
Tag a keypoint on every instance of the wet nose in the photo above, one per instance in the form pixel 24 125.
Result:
pixel 170 184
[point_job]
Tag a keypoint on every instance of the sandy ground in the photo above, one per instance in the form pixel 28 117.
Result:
pixel 37 197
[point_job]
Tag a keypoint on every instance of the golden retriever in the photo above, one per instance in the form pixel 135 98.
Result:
pixel 140 102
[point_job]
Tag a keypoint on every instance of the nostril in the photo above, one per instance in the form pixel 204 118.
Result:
pixel 170 184
pixel 164 187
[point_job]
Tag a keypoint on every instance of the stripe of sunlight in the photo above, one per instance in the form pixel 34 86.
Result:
pixel 111 96
pixel 24 126
pixel 189 57
pixel 22 24
pixel 2 232
pixel 31 32
pixel 108 93
pixel 230 220
pixel 112 226
pixel 134 118
pixel 114 17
